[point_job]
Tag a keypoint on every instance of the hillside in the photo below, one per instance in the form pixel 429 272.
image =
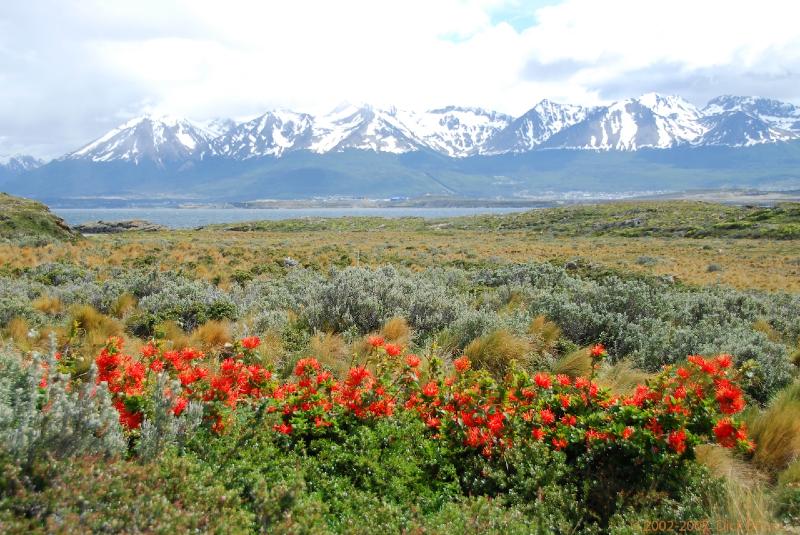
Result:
pixel 26 219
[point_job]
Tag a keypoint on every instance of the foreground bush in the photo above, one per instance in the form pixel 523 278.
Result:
pixel 400 446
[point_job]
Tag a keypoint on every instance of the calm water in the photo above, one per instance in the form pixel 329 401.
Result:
pixel 195 217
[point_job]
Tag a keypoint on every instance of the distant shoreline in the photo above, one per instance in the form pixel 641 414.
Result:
pixel 548 199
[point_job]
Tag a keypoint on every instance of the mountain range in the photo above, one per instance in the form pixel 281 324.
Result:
pixel 654 142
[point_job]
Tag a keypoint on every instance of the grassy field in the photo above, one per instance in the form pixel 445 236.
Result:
pixel 523 297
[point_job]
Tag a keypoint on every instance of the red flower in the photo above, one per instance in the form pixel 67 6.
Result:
pixel 683 372
pixel 149 350
pixel 726 433
pixel 284 428
pixel 251 342
pixel 724 361
pixel 559 443
pixel 433 422
pixel 321 422
pixel 306 365
pixel 412 360
pixel 677 441
pixel 495 422
pixel 547 416
pixel 392 350
pixel 157 365
pixel 375 341
pixel 537 434
pixel 462 363
pixel 563 380
pixel 730 399
pixel 180 405
pixel 598 350
pixel 430 389
pixel 627 432
pixel 569 420
pixel 542 379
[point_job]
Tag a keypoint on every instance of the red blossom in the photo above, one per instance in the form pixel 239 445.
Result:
pixel 392 350
pixel 462 363
pixel 251 342
pixel 542 380
pixel 375 341
pixel 430 389
pixel 412 360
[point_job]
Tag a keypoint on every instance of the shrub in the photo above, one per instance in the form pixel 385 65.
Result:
pixel 42 416
pixel 85 496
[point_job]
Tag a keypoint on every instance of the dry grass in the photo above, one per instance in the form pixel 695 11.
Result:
pixel 761 264
pixel 575 364
pixel 332 351
pixel 497 351
pixel 397 331
pixel 211 335
pixel 94 327
pixel 622 377
pixel 172 333
pixel 48 305
pixel 17 330
pixel 124 304
pixel 776 430
pixel 544 335
pixel 745 507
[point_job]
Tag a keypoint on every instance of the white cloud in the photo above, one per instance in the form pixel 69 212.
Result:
pixel 70 69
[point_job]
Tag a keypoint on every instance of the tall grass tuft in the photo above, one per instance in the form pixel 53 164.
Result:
pixel 497 350
pixel 776 430
pixel 622 377
pixel 332 351
pixel 396 331
pixel 745 506
pixel 576 363
pixel 211 335
pixel 544 334
pixel 48 305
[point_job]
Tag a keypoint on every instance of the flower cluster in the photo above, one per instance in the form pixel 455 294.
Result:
pixel 681 407
pixel 130 379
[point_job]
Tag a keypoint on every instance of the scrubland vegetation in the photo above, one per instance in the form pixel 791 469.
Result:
pixel 551 372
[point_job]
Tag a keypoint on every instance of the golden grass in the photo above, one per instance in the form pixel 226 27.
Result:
pixel 48 305
pixel 746 506
pixel 397 331
pixel 17 330
pixel 332 351
pixel 776 430
pixel 172 333
pixel 622 377
pixel 124 304
pixel 497 350
pixel 575 364
pixel 211 335
pixel 761 264
pixel 544 334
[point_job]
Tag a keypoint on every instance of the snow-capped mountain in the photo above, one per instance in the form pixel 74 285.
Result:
pixel 782 115
pixel 651 121
pixel 269 135
pixel 157 139
pixel 536 126
pixel 457 131
pixel 739 129
pixel 362 127
pixel 19 163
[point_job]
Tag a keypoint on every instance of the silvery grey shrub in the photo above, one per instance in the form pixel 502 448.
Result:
pixel 57 421
pixel 164 429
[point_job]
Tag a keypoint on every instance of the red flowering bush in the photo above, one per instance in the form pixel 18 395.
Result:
pixel 468 409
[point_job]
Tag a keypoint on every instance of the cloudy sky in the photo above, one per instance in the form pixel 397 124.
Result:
pixel 72 69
